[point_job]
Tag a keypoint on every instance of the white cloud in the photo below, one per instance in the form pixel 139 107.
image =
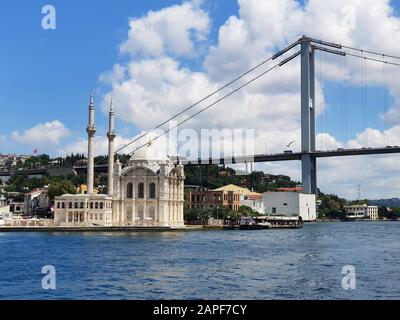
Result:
pixel 155 85
pixel 42 134
pixel 172 30
pixel 100 146
pixel 117 74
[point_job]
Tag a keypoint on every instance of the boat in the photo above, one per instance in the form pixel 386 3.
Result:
pixel 248 223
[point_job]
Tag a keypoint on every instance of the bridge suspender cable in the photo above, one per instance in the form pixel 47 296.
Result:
pixel 345 100
pixel 319 122
pixel 385 104
pixel 363 100
pixel 326 106
pixel 342 104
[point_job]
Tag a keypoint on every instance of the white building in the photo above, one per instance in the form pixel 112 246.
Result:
pixel 149 191
pixel 3 201
pixel 255 202
pixel 290 204
pixel 362 211
pixel 5 215
pixel 83 210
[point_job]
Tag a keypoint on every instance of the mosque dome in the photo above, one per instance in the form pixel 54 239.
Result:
pixel 153 151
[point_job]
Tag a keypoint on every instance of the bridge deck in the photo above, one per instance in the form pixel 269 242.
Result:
pixel 275 157
pixel 295 156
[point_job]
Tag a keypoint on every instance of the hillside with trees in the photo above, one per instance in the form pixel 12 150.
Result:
pixel 214 176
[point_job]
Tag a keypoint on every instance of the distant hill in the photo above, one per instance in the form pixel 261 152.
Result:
pixel 213 177
pixel 394 202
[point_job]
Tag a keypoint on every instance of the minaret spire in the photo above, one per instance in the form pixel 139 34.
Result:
pixel 111 136
pixel 91 130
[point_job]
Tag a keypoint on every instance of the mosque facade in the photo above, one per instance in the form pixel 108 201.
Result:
pixel 148 191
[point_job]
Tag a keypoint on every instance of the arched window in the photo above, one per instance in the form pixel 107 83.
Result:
pixel 63 205
pixel 91 205
pixel 70 205
pixel 96 205
pixel 141 191
pixel 81 205
pixel 129 191
pixel 101 205
pixel 152 191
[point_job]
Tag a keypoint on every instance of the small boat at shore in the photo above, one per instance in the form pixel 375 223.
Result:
pixel 266 222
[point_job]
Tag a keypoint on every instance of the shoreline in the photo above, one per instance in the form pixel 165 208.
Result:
pixel 90 229
pixel 53 229
pixel 360 220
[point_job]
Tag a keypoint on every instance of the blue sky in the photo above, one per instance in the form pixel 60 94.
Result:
pixel 47 75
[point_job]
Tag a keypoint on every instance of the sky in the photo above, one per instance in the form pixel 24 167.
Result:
pixel 155 58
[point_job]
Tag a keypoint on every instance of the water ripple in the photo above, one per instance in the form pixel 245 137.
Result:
pixel 265 264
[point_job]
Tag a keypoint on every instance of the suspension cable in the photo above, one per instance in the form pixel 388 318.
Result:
pixel 371 52
pixel 208 107
pixel 196 103
pixel 191 106
pixel 372 59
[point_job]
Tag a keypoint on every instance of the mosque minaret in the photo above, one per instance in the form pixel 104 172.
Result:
pixel 147 191
pixel 91 130
pixel 111 136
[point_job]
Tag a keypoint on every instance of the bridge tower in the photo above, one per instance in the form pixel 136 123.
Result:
pixel 308 160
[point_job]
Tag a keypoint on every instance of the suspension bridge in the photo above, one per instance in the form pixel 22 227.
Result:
pixel 307 48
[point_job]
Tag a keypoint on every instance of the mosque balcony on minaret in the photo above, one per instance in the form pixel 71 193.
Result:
pixel 111 135
pixel 91 130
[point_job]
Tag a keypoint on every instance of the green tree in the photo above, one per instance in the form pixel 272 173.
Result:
pixel 331 207
pixel 58 188
pixel 246 211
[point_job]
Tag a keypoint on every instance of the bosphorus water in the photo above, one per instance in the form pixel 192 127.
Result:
pixel 264 264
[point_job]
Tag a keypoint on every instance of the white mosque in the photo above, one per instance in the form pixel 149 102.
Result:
pixel 147 192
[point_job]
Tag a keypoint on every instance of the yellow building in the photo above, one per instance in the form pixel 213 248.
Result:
pixel 241 190
pixel 82 189
pixel 247 197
